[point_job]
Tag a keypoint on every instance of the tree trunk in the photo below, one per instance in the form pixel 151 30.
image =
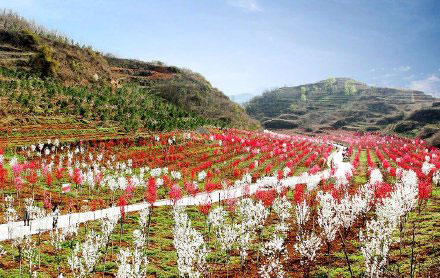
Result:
pixel 346 255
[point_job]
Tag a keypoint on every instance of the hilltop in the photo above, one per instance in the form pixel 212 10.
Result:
pixel 47 79
pixel 347 104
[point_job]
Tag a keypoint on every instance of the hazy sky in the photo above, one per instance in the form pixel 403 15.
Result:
pixel 247 46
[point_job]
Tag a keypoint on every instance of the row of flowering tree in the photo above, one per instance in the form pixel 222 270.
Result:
pixel 291 205
pixel 65 174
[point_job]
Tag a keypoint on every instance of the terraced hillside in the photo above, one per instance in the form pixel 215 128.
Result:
pixel 48 80
pixel 342 103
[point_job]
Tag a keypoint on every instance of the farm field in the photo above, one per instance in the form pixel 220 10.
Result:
pixel 220 203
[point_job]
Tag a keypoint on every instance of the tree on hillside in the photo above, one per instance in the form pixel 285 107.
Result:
pixel 303 98
pixel 330 85
pixel 349 89
pixel 303 90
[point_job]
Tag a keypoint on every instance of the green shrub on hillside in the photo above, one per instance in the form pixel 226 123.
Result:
pixel 131 106
pixel 349 89
pixel 330 85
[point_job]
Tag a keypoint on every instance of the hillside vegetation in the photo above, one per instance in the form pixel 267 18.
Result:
pixel 46 78
pixel 342 103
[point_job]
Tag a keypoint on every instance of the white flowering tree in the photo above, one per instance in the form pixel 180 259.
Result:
pixel 26 252
pixel 108 224
pixel 190 246
pixel 328 217
pixel 390 214
pixel 276 254
pixel 302 212
pixel 307 245
pixel 132 264
pixel 375 240
pixel 10 214
pixel 251 217
pixel 56 240
pixel 275 250
pixel 85 256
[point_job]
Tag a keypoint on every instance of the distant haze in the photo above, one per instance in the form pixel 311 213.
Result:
pixel 241 98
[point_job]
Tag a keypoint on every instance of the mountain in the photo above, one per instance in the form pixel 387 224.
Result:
pixel 343 103
pixel 47 79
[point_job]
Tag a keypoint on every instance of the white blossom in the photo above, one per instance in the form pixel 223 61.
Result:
pixel 375 240
pixel 190 246
pixel 436 178
pixel 307 245
pixel 347 211
pixel 302 214
pixel 375 176
pixel 427 167
pixel 57 237
pixel 327 215
pixel 201 176
pixel 156 172
pixel 176 175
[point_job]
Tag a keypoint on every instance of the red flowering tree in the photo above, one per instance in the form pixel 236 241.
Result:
pixel 205 208
pixel 122 202
pixel 150 197
pixel 3 177
pixel 47 201
pixel 191 188
pixel 32 180
pixel 425 189
pixel 299 195
pixel 175 193
pixel 59 173
pixel 77 177
pixel 266 196
pixel 151 192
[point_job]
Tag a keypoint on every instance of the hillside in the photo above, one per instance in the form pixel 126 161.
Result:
pixel 47 79
pixel 342 103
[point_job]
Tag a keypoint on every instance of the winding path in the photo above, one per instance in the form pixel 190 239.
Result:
pixel 17 229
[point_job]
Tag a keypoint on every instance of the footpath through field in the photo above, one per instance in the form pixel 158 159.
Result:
pixel 17 229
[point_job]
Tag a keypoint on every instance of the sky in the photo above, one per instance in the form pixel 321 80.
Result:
pixel 248 46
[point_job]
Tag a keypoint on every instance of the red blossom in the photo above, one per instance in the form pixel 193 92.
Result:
pixel 3 176
pixel 77 176
pixel 315 169
pixel 267 169
pixel 32 177
pixel 59 173
pixel 393 172
pixel 122 202
pixel 49 179
pixel 382 190
pixel 129 190
pixel 209 187
pixel 151 192
pixel 205 208
pixel 266 196
pixel 425 189
pixel 190 187
pixel 280 175
pixel 298 195
pixel 46 201
pixel 175 193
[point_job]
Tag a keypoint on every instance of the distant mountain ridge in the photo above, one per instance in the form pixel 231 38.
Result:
pixel 344 103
